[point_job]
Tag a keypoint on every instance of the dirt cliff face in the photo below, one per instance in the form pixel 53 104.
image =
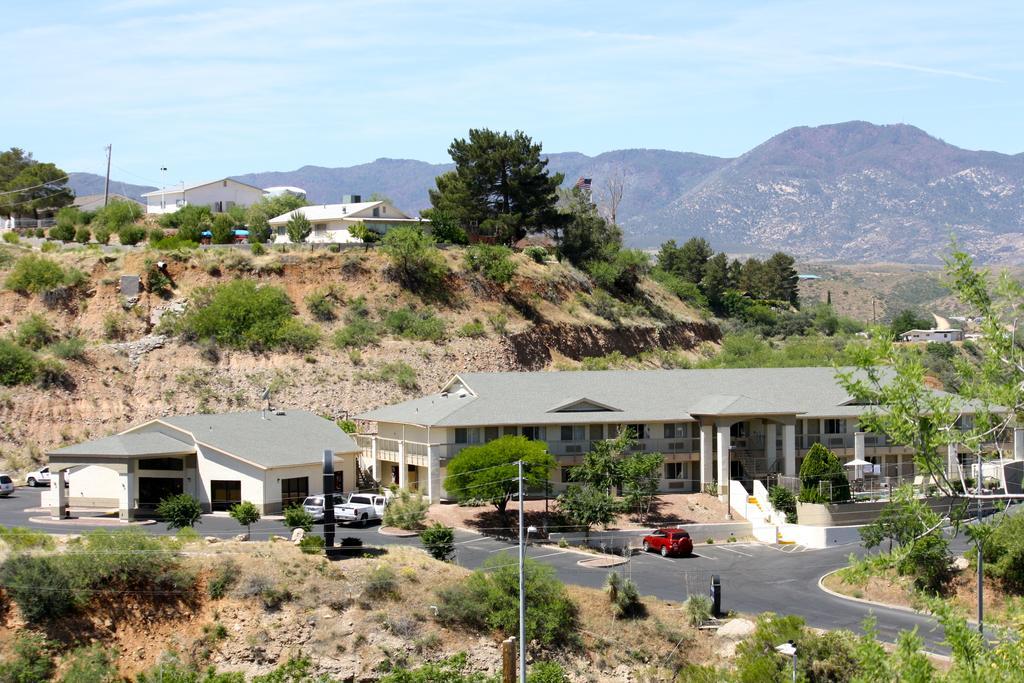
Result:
pixel 538 320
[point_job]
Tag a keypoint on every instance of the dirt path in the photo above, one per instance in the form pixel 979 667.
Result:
pixel 940 322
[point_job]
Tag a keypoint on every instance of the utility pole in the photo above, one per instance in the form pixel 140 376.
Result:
pixel 106 183
pixel 981 559
pixel 522 583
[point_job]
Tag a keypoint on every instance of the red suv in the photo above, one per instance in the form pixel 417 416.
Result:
pixel 669 542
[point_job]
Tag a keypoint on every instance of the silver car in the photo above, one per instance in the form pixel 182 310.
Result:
pixel 6 485
pixel 314 505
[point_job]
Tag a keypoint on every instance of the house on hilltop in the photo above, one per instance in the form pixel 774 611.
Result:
pixel 219 195
pixel 332 222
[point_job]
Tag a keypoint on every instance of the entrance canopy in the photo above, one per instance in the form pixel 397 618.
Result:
pixel 118 449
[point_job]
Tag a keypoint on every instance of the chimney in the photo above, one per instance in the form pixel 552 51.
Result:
pixel 351 198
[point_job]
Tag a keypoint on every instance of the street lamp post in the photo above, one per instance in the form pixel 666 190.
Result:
pixel 788 649
pixel 163 191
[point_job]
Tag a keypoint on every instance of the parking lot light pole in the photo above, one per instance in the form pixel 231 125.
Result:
pixel 522 583
pixel 789 650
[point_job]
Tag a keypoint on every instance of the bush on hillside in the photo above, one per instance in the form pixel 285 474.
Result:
pixel 117 214
pixel 35 332
pixel 52 374
pixel 131 235
pixel 439 541
pixel 821 474
pixel 17 364
pixel 72 348
pixel 91 664
pixel 411 323
pixel 415 260
pixel 398 373
pixel 11 237
pixel 322 304
pixel 189 221
pixel 32 660
pixel 244 315
pixel 34 274
pixel 537 254
pixel 489 601
pixel 83 235
pixel 623 273
pixel 493 261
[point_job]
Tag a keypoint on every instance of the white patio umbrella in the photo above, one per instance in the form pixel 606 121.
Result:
pixel 855 463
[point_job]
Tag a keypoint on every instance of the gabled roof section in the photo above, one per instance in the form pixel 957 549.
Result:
pixel 178 188
pixel 729 405
pixel 356 211
pixel 584 405
pixel 135 444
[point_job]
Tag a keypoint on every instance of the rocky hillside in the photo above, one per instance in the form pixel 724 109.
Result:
pixel 130 372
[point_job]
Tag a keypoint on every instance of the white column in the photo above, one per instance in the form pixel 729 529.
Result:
pixel 59 494
pixel 375 463
pixel 1018 443
pixel 789 450
pixel 858 446
pixel 953 463
pixel 770 454
pixel 724 441
pixel 706 455
pixel 403 468
pixel 433 474
pixel 126 503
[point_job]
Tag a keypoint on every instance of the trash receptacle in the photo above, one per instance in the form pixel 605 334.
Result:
pixel 716 595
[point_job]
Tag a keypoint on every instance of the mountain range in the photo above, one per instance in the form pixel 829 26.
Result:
pixel 851 191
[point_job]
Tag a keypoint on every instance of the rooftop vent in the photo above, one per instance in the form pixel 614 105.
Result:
pixel 351 198
pixel 278 412
pixel 462 393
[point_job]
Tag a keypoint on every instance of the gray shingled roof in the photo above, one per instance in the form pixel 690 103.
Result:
pixel 527 398
pixel 135 444
pixel 297 437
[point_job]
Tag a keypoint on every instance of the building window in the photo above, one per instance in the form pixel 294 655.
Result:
pixel 294 491
pixel 224 494
pixel 281 231
pixel 574 433
pixel 319 229
pixel 508 431
pixel 490 434
pixel 467 435
pixel 376 212
pixel 677 430
pixel 596 432
pixel 639 431
pixel 738 430
pixel 164 464
pixel 535 433
pixel 835 426
pixel 674 470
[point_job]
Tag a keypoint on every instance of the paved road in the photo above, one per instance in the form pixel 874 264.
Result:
pixel 755 577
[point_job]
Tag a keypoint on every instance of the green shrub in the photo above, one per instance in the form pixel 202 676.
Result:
pixel 35 332
pixel 155 235
pixel 439 541
pixel 131 234
pixel 698 609
pixel 625 597
pixel 115 326
pixel 102 234
pixel 826 657
pixel 11 237
pixel 155 279
pixel 245 315
pixel 296 517
pixel 223 229
pixel 357 334
pixel 406 510
pixel 49 247
pixel 223 577
pixel 17 364
pixel 32 661
pixel 474 330
pixel 489 599
pixel 42 586
pixel 410 323
pixel 622 274
pixel 321 304
pixel 179 511
pixel 83 235
pixel 538 254
pixel 246 514
pixel 493 261
pixel 546 672
pixel 398 373
pixel 117 215
pixel 20 538
pixel 381 584
pixel 257 249
pixel 34 274
pixel 312 545
pixel 347 426
pixel 783 500
pixel 498 321
pixel 174 242
pixel 821 465
pixel 92 664
pixel 72 348
pixel 415 260
pixel 67 219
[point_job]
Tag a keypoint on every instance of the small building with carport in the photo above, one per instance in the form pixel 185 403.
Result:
pixel 271 458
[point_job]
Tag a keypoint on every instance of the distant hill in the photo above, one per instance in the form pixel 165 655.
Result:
pixel 851 191
pixel 90 183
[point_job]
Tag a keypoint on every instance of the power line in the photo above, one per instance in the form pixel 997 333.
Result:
pixel 33 187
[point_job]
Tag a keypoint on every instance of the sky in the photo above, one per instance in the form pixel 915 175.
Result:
pixel 212 89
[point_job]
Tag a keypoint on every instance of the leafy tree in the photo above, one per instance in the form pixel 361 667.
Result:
pixel 445 228
pixel 782 279
pixel 490 472
pixel 415 260
pixel 245 513
pixel 406 510
pixel 821 465
pixel 716 280
pixel 783 500
pixel 223 229
pixel 908 320
pixel 495 262
pixel 298 228
pixel 588 506
pixel 362 232
pixel 489 599
pixel 189 221
pixel 498 177
pixel 688 261
pixel 179 511
pixel 586 236
pixel 296 517
pixel 439 540
pixel 641 476
pixel 622 273
pixel 117 214
pixel 39 185
pixel 258 215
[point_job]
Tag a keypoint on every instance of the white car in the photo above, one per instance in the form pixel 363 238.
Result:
pixel 40 477
pixel 6 485
pixel 314 505
pixel 361 508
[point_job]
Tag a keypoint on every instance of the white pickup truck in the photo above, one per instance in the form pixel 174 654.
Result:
pixel 361 508
pixel 40 477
